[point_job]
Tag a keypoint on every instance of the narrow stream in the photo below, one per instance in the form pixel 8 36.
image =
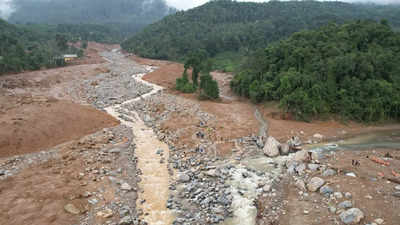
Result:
pixel 388 139
pixel 154 185
pixel 263 132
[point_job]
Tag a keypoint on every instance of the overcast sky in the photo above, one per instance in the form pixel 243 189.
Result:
pixel 5 9
pixel 187 4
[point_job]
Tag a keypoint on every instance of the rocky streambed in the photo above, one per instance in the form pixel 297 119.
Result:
pixel 191 183
pixel 208 189
pixel 163 165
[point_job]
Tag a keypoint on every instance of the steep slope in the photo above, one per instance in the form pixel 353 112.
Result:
pixel 228 26
pixel 352 70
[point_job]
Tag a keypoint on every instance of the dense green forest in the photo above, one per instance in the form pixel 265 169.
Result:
pixel 77 32
pixel 352 70
pixel 116 18
pixel 27 48
pixel 228 30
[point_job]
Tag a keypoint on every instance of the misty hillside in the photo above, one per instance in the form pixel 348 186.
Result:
pixel 226 26
pixel 129 15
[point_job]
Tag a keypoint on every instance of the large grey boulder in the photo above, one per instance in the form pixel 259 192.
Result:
pixel 315 183
pixel 351 216
pixel 271 148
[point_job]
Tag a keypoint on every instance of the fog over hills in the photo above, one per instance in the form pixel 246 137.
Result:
pixel 5 9
pixel 8 7
pixel 187 4
pixel 138 12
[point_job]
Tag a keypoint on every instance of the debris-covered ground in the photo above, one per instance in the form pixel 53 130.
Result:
pixel 224 176
pixel 97 144
pixel 82 167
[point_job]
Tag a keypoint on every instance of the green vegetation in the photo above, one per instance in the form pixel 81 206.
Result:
pixel 78 32
pixel 199 64
pixel 27 49
pixel 208 87
pixel 352 70
pixel 229 30
pixel 183 84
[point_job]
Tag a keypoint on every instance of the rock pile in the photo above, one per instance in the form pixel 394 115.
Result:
pixel 305 180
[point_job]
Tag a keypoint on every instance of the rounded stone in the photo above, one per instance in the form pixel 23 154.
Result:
pixel 315 183
pixel 351 216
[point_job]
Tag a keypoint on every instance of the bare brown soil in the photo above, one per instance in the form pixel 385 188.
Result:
pixel 37 195
pixel 38 111
pixel 40 123
pixel 283 128
pixel 371 191
pixel 31 117
pixel 236 115
pixel 236 118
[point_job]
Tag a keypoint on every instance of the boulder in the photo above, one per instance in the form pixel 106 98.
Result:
pixel 107 213
pixel 351 216
pixel 348 195
pixel 313 167
pixel 315 183
pixel 396 194
pixel 301 156
pixel 126 187
pixel 271 148
pixel 300 185
pixel 291 167
pixel 70 208
pixel 338 195
pixel 285 149
pixel 329 172
pixel 300 169
pixel 326 190
pixel 345 204
pixel 183 178
pixel 267 188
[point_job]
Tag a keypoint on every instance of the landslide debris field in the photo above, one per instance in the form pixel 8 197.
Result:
pixel 109 141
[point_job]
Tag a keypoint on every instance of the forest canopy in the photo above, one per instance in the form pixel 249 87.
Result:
pixel 352 70
pixel 228 30
pixel 27 48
